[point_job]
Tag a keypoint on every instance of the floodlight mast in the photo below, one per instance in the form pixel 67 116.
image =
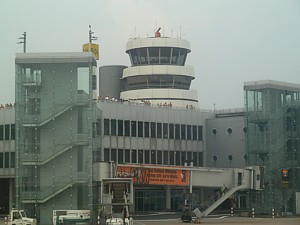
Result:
pixel 23 42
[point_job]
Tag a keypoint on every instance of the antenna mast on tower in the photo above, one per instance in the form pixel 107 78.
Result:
pixel 23 42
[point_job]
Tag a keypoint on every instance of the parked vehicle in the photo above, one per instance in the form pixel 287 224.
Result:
pixel 19 217
pixel 81 217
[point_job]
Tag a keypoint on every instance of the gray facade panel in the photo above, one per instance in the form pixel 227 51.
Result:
pixel 224 144
pixel 110 83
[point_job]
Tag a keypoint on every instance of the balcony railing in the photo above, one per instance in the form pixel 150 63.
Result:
pixel 32 80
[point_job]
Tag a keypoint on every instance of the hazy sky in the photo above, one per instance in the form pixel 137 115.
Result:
pixel 232 41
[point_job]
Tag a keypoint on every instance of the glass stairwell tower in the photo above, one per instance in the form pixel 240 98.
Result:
pixel 56 132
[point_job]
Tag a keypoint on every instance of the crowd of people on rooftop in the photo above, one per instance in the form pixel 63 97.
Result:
pixel 7 106
pixel 140 102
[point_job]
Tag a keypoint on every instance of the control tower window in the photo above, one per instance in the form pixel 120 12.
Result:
pixel 158 55
pixel 143 56
pixel 134 57
pixel 175 55
pixel 182 57
pixel 153 55
pixel 165 55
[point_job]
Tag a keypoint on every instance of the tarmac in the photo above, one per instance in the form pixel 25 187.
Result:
pixel 226 221
pixel 221 220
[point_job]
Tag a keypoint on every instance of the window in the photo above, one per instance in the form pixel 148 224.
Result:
pixel 214 158
pixel 140 156
pixel 229 130
pixel 183 136
pixel 134 57
pixel 120 127
pixel 165 130
pixel 133 128
pixel 98 127
pixel 189 157
pixel 229 157
pixel 106 126
pixel 127 128
pixel 182 57
pixel 166 158
pixel 1 160
pixel 165 54
pixel 13 131
pixel 153 129
pixel 172 158
pixel 113 127
pixel 171 131
pixel 12 159
pixel 146 129
pixel 7 132
pixel 127 155
pixel 120 156
pixel 189 132
pixel 113 155
pixel 153 55
pixel 200 137
pixel 159 131
pixel 147 157
pixel 83 79
pixel 133 156
pixel 200 158
pixel 183 158
pixel 6 159
pixel 153 157
pixel 177 158
pixel 143 55
pixel 175 53
pixel 214 131
pixel 159 157
pixel 140 129
pixel 1 132
pixel 194 132
pixel 177 131
pixel 195 162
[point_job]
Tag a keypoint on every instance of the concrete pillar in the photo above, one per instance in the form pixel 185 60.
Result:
pixel 168 197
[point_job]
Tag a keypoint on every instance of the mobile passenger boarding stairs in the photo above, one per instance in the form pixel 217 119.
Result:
pixel 116 201
pixel 230 180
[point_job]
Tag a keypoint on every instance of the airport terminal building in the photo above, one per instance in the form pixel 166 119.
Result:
pixel 145 114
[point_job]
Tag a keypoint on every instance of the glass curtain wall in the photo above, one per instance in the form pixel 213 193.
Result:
pixel 273 118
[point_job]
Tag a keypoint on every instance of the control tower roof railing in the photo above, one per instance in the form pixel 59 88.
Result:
pixel 158 42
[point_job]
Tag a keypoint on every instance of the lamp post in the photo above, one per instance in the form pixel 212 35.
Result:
pixel 23 42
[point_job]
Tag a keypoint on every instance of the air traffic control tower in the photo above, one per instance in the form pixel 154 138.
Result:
pixel 158 72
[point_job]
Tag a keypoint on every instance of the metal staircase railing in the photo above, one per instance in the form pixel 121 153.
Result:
pixel 60 108
pixel 48 192
pixel 215 200
pixel 51 153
